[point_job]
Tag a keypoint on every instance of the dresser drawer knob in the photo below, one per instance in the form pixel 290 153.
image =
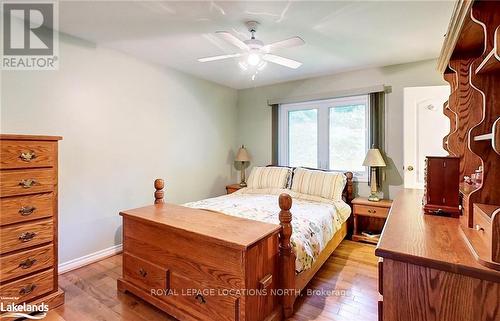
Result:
pixel 200 298
pixel 372 211
pixel 27 289
pixel 27 210
pixel 479 228
pixel 27 183
pixel 143 272
pixel 27 236
pixel 27 156
pixel 27 263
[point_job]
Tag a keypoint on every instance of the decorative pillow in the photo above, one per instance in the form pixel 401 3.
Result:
pixel 318 183
pixel 269 177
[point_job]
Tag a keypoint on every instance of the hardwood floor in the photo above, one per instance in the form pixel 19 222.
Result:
pixel 345 289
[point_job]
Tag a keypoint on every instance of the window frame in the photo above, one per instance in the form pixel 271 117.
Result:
pixel 323 130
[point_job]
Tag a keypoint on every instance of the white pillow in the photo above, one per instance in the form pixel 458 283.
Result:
pixel 269 177
pixel 318 183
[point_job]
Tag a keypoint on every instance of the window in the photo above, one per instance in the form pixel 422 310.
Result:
pixel 331 134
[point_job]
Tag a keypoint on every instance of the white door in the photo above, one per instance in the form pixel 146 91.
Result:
pixel 425 125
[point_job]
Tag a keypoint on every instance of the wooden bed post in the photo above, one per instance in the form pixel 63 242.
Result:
pixel 159 193
pixel 348 190
pixel 286 255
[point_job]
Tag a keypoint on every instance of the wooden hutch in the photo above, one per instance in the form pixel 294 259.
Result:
pixel 470 62
pixel 443 268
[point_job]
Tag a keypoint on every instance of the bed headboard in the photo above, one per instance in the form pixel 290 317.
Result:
pixel 347 193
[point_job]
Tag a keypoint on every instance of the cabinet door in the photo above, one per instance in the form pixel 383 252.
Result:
pixel 435 181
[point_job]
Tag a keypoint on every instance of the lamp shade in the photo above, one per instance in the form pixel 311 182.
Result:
pixel 374 158
pixel 242 155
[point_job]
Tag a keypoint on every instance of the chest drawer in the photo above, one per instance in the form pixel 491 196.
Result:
pixel 25 208
pixel 23 235
pixel 371 211
pixel 203 302
pixel 27 288
pixel 144 274
pixel 29 181
pixel 202 261
pixel 26 154
pixel 19 264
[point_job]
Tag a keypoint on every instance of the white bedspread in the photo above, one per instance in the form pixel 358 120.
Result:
pixel 314 222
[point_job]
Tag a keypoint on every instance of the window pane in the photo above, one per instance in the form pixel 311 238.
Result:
pixel 348 137
pixel 303 138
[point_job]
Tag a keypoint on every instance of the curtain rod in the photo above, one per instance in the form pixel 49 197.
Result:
pixel 331 94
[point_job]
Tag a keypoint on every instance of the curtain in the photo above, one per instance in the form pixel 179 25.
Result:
pixel 274 135
pixel 377 126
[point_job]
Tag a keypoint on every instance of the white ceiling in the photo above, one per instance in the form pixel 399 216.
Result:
pixel 339 35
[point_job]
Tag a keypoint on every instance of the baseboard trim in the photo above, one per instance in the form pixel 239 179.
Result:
pixel 90 258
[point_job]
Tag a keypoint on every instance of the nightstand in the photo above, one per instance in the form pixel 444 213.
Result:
pixel 369 216
pixel 232 188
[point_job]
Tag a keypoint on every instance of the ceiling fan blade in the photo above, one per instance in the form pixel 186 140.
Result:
pixel 287 43
pixel 282 61
pixel 207 59
pixel 233 40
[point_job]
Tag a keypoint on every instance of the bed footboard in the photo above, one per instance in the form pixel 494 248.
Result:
pixel 286 256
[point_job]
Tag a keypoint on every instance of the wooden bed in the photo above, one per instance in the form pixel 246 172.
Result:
pixel 179 249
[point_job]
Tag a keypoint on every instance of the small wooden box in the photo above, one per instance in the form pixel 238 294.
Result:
pixel 442 179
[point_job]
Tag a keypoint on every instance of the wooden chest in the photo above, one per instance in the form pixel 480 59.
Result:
pixel 28 220
pixel 201 265
pixel 442 180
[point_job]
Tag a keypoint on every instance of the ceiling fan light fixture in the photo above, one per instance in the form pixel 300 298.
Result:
pixel 254 55
pixel 254 59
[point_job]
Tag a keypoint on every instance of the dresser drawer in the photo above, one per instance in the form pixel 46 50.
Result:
pixel 27 288
pixel 23 235
pixel 144 274
pixel 19 264
pixel 203 302
pixel 25 208
pixel 26 154
pixel 482 224
pixel 372 211
pixel 29 181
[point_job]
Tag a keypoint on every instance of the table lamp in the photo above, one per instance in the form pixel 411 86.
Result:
pixel 373 159
pixel 242 157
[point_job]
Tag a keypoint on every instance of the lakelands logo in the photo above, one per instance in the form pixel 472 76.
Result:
pixel 30 40
pixel 25 311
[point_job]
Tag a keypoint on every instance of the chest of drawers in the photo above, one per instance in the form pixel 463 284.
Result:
pixel 28 220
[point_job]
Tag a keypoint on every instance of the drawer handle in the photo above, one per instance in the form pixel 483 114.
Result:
pixel 27 289
pixel 27 236
pixel 27 156
pixel 479 228
pixel 143 272
pixel 200 298
pixel 27 183
pixel 372 211
pixel 27 263
pixel 27 210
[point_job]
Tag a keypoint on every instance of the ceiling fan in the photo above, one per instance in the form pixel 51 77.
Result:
pixel 255 53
